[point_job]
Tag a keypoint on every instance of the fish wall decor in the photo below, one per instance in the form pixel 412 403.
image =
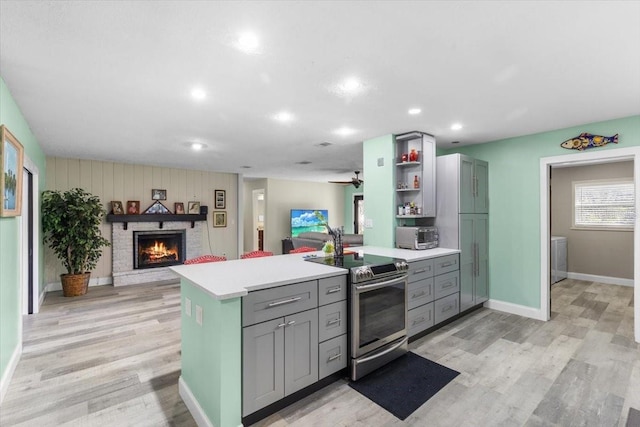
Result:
pixel 587 140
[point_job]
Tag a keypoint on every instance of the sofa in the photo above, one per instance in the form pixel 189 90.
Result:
pixel 317 240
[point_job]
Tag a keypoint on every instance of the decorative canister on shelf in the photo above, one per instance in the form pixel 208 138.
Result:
pixel 405 157
pixel 413 155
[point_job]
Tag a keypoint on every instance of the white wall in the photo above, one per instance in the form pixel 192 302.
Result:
pixel 122 181
pixel 281 196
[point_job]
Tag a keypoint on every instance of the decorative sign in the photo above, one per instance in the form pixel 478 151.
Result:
pixel 587 140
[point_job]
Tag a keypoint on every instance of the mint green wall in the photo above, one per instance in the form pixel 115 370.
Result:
pixel 10 310
pixel 212 355
pixel 514 197
pixel 379 194
pixel 349 191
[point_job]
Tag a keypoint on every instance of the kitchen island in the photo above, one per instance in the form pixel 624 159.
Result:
pixel 211 325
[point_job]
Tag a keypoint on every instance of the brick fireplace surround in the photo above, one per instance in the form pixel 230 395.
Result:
pixel 122 246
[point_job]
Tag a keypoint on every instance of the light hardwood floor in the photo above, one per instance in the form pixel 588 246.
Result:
pixel 112 358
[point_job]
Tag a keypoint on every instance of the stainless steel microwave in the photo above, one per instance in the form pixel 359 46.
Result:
pixel 416 237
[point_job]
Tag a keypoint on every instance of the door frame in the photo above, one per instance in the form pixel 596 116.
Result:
pixel 602 156
pixel 354 197
pixel 34 204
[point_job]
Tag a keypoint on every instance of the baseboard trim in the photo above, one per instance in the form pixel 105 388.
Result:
pixel 11 367
pixel 520 310
pixel 601 279
pixel 100 281
pixel 192 404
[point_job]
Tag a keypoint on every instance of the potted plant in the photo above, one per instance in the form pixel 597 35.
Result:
pixel 71 226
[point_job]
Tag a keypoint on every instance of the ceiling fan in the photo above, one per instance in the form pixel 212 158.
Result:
pixel 355 181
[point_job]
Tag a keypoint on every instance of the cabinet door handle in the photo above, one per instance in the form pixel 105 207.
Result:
pixel 418 295
pixel 334 357
pixel 447 309
pixel 418 320
pixel 446 264
pixel 286 301
pixel 334 290
pixel 334 321
pixel 289 323
pixel 447 285
pixel 422 270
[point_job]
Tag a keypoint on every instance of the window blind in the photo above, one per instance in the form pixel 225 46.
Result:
pixel 604 204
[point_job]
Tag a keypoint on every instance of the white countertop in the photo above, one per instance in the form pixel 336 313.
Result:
pixel 235 278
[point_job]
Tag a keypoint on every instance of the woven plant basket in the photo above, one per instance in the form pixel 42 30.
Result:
pixel 74 285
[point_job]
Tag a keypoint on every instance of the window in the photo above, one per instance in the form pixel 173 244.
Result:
pixel 604 204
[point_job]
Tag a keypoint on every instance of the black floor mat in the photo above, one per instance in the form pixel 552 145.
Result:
pixel 403 385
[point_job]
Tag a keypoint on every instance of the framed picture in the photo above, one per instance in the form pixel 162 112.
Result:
pixel 157 208
pixel 219 218
pixel 179 208
pixel 193 208
pixel 157 194
pixel 11 158
pixel 133 207
pixel 220 199
pixel 117 208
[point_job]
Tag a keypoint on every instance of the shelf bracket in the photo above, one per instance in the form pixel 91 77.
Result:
pixel 160 224
pixel 193 224
pixel 124 225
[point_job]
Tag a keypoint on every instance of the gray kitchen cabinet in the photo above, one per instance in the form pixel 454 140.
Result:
pixel 474 260
pixel 279 357
pixel 463 222
pixel 280 343
pixel 415 179
pixel 473 176
pixel 300 351
pixel 332 325
pixel 433 284
pixel 262 365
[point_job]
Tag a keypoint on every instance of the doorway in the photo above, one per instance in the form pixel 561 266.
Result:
pixel 29 238
pixel 358 213
pixel 605 156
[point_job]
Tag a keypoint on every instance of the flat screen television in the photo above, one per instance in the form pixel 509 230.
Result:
pixel 305 220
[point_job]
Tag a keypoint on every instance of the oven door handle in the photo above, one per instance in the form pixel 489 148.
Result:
pixel 363 288
pixel 382 353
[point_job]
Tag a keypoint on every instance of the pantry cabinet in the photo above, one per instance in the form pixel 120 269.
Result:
pixel 463 221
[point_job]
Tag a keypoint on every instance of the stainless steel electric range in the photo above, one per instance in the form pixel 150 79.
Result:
pixel 377 309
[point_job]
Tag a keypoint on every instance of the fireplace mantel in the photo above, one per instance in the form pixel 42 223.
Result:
pixel 160 218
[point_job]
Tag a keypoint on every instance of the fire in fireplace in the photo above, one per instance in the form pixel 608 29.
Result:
pixel 158 248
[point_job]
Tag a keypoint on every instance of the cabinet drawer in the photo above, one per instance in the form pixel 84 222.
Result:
pixel 332 320
pixel 420 319
pixel 333 356
pixel 332 289
pixel 446 307
pixel 446 264
pixel 446 284
pixel 419 270
pixel 268 304
pixel 420 292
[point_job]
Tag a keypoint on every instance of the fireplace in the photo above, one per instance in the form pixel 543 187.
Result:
pixel 161 248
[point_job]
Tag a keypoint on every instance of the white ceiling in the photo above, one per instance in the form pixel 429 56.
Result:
pixel 111 80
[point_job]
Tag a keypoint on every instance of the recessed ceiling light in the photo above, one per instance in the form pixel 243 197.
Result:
pixel 350 85
pixel 248 42
pixel 344 131
pixel 283 116
pixel 198 93
pixel 414 111
pixel 196 146
pixel 456 126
